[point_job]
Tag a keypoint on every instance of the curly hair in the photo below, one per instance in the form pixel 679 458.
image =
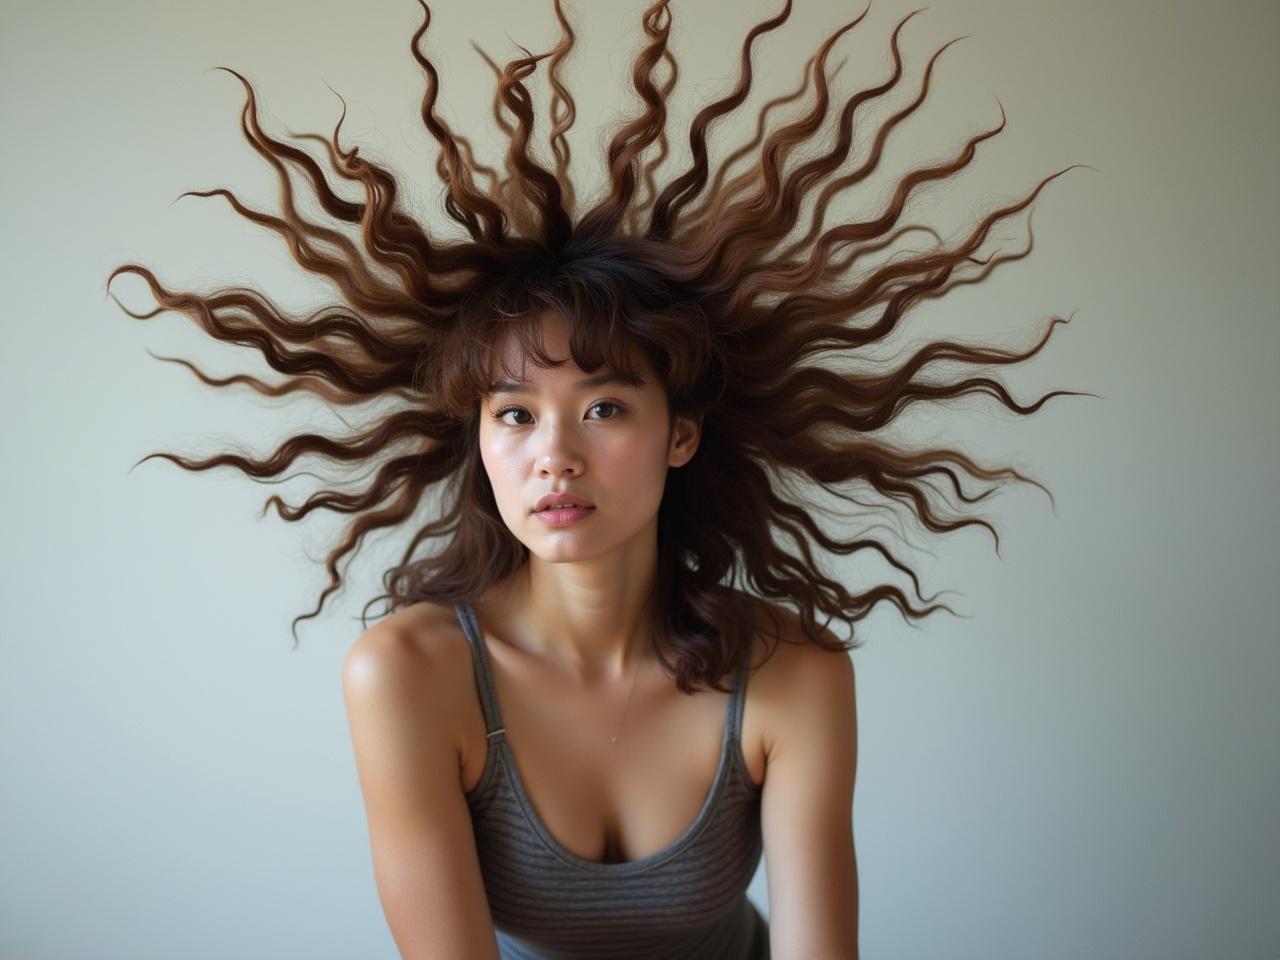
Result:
pixel 694 281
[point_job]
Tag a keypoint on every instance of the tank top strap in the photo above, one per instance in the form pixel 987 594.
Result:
pixel 737 691
pixel 483 671
pixel 737 695
pixel 733 711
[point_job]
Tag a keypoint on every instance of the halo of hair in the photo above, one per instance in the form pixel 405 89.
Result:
pixel 689 278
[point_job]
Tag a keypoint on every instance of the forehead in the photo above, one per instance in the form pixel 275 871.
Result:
pixel 504 384
pixel 513 368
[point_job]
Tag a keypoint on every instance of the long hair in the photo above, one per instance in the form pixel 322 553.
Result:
pixel 693 280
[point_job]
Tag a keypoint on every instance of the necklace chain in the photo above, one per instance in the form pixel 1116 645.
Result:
pixel 614 738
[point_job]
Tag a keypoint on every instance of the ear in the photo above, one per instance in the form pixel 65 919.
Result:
pixel 685 434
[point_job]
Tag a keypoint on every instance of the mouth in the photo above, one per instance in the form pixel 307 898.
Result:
pixel 563 516
pixel 567 501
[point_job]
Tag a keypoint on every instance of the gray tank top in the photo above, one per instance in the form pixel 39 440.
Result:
pixel 687 900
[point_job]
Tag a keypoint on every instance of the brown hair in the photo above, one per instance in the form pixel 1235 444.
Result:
pixel 692 279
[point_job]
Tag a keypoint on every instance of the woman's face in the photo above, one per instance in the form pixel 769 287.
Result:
pixel 605 441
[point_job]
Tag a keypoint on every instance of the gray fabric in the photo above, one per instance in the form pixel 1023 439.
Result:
pixel 686 901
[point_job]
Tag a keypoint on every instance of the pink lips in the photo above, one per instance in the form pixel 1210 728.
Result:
pixel 563 517
pixel 561 498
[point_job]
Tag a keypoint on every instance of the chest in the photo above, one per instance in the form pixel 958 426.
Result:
pixel 604 802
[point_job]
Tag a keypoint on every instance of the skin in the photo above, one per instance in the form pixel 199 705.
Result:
pixel 581 596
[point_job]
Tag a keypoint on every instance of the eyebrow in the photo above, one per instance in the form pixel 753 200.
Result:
pixel 609 376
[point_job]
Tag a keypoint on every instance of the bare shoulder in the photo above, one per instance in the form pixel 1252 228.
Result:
pixel 797 676
pixel 423 635
pixel 411 657
pixel 807 802
pixel 398 687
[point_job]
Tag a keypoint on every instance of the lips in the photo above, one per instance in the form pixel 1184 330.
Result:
pixel 561 499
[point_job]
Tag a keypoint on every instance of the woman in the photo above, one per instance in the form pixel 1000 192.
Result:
pixel 616 408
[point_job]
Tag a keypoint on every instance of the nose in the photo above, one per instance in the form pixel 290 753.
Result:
pixel 558 448
pixel 558 456
pixel 556 464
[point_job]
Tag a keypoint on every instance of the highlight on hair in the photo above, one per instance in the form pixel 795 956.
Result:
pixel 695 282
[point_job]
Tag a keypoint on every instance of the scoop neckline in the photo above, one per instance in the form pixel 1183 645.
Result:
pixel 625 866
pixel 508 759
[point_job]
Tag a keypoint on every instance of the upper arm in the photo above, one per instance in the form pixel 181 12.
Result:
pixel 424 859
pixel 807 809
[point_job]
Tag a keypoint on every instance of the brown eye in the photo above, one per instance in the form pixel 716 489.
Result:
pixel 611 405
pixel 501 414
pixel 505 410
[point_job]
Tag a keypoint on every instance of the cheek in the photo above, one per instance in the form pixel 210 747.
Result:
pixel 637 465
pixel 498 464
pixel 628 466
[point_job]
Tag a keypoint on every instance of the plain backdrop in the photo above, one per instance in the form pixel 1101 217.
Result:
pixel 1086 764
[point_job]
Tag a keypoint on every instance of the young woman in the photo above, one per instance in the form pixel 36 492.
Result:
pixel 589 708
pixel 571 792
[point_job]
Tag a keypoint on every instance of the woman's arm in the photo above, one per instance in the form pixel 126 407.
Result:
pixel 424 858
pixel 807 805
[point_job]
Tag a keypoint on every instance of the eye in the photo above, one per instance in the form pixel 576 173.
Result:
pixel 505 410
pixel 612 406
pixel 500 414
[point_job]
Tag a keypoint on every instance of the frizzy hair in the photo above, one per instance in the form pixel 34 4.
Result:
pixel 687 280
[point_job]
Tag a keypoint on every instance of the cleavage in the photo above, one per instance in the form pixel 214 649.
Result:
pixel 608 802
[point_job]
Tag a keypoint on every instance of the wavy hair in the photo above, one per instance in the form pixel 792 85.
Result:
pixel 695 282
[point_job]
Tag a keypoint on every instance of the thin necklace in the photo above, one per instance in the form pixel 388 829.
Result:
pixel 614 738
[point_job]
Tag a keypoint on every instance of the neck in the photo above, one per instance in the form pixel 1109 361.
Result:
pixel 591 622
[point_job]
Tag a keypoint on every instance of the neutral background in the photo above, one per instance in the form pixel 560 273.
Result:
pixel 1086 765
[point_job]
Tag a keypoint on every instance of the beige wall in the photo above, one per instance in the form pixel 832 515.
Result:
pixel 1085 768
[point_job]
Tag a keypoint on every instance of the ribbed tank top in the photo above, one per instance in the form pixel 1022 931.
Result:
pixel 687 900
